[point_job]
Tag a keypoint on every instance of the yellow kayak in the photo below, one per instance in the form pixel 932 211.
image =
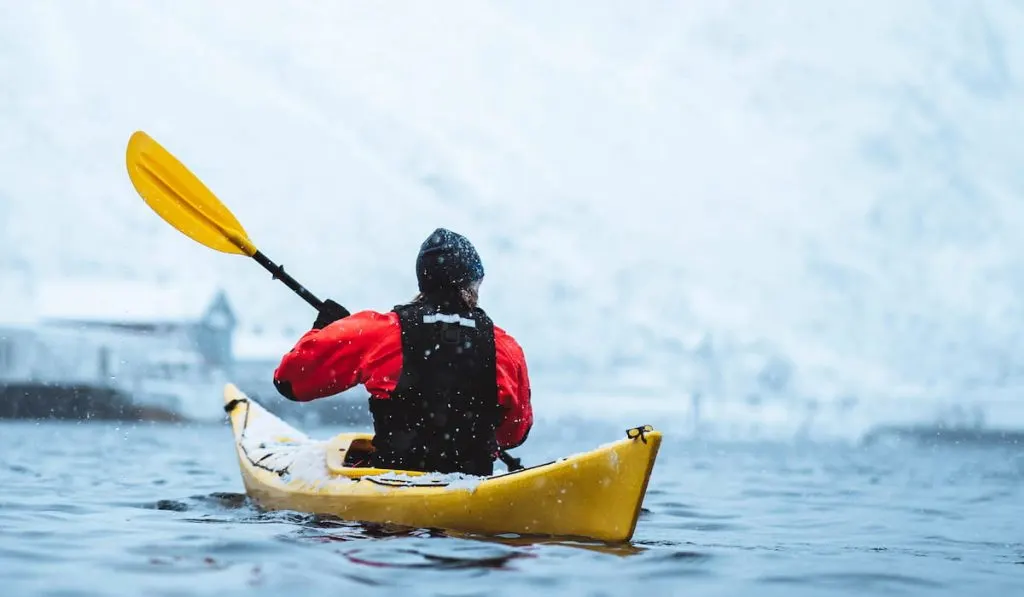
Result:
pixel 593 495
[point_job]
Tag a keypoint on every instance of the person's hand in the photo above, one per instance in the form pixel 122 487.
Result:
pixel 329 313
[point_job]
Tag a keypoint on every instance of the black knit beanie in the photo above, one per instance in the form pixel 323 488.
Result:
pixel 447 261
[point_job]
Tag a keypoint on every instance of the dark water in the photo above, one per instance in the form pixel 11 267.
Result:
pixel 101 509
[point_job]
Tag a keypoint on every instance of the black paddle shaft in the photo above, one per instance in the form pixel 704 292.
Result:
pixel 277 271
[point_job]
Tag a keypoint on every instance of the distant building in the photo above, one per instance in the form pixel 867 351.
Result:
pixel 168 348
pixel 196 318
pixel 117 349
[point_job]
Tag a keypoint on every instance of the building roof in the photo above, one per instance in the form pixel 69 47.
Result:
pixel 120 301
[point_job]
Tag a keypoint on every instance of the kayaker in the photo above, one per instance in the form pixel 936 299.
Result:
pixel 448 388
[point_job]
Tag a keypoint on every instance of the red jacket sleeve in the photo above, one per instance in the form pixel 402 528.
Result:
pixel 513 391
pixel 330 360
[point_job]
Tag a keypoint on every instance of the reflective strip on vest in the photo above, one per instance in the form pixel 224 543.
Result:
pixel 449 318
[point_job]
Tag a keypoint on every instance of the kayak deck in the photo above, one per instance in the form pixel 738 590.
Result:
pixel 593 495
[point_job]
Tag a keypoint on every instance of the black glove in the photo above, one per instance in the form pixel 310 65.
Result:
pixel 329 313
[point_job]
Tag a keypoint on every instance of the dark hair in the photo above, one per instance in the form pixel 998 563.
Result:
pixel 468 295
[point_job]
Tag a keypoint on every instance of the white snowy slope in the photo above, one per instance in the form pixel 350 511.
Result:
pixel 807 209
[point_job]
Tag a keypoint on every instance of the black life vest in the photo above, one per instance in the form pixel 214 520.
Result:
pixel 443 413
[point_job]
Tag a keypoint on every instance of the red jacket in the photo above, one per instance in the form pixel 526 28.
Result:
pixel 366 348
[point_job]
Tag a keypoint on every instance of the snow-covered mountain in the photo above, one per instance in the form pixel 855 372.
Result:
pixel 809 206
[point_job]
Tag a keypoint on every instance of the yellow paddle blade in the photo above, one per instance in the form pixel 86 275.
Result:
pixel 177 196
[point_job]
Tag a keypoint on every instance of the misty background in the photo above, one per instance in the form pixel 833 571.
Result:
pixel 786 219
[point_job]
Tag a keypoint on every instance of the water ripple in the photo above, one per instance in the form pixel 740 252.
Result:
pixel 853 580
pixel 733 519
